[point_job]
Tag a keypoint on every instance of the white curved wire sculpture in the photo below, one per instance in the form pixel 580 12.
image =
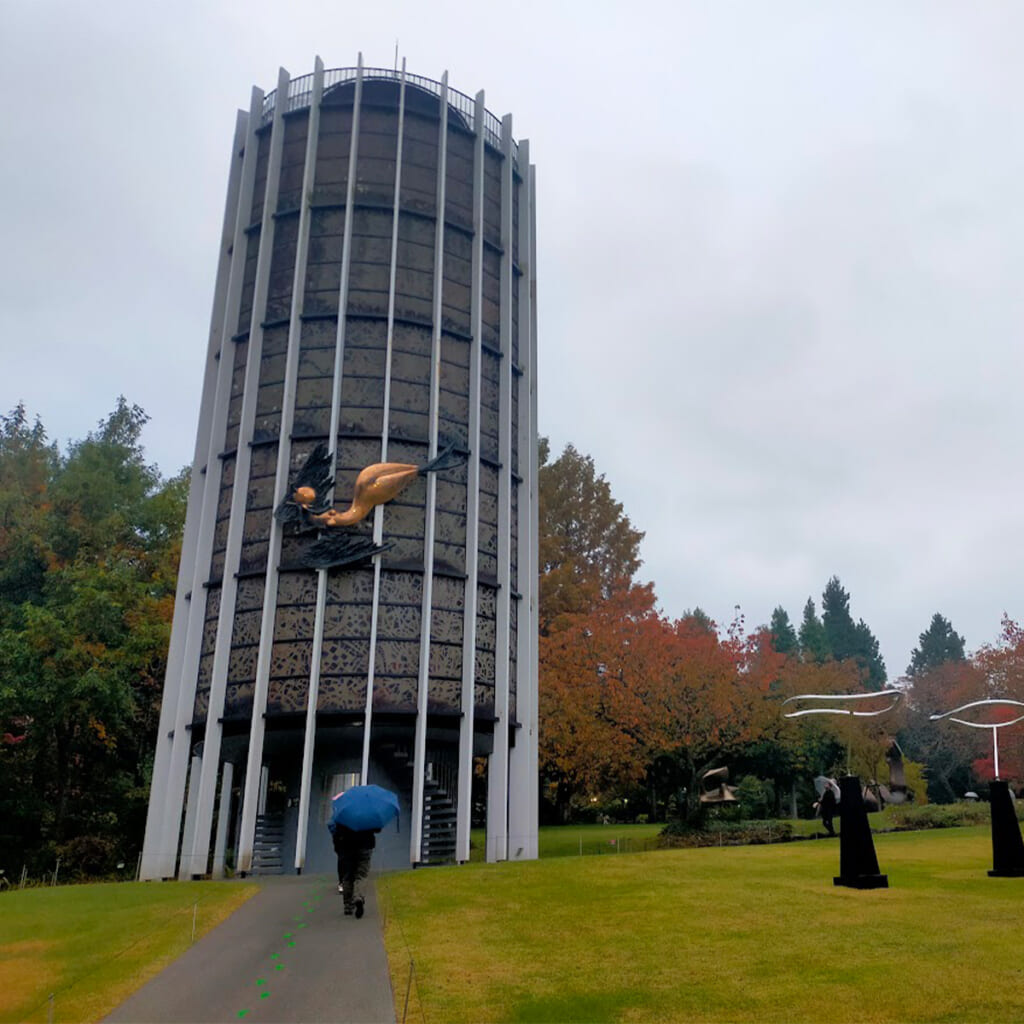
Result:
pixel 994 726
pixel 894 695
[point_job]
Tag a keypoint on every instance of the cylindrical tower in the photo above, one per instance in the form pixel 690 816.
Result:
pixel 375 304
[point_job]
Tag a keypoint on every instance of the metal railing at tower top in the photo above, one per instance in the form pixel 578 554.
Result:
pixel 300 95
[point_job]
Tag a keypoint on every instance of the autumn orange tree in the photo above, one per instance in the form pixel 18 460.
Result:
pixel 1000 669
pixel 633 699
pixel 958 757
pixel 594 671
pixel 713 700
pixel 947 749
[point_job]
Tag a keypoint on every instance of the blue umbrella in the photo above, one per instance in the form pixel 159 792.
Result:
pixel 364 807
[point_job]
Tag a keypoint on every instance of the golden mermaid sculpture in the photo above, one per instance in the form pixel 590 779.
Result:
pixel 375 485
pixel 305 507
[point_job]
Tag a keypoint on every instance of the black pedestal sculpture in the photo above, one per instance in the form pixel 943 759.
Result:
pixel 1007 845
pixel 858 865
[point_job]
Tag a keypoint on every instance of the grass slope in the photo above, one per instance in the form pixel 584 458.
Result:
pixel 732 934
pixel 93 945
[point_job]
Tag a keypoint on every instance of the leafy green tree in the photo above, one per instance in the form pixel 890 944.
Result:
pixel 784 637
pixel 26 465
pixel 84 627
pixel 588 546
pixel 938 644
pixel 813 639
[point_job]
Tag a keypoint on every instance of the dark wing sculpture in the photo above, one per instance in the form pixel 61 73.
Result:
pixel 448 458
pixel 334 549
pixel 315 481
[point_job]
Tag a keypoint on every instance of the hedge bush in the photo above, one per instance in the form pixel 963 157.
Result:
pixel 739 833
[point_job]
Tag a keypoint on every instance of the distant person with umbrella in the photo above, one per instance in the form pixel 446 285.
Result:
pixel 828 801
pixel 357 815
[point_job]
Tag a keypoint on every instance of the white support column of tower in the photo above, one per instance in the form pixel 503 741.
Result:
pixel 419 766
pixel 220 844
pixel 167 793
pixel 523 757
pixel 192 806
pixel 497 772
pixel 467 724
pixel 378 512
pixel 284 449
pixel 313 695
pixel 194 860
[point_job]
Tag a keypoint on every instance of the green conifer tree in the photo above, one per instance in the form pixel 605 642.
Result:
pixel 784 637
pixel 938 644
pixel 813 639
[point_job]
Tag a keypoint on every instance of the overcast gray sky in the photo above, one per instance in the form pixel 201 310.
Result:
pixel 780 250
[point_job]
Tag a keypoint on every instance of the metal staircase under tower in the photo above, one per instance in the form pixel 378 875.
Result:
pixel 268 845
pixel 437 845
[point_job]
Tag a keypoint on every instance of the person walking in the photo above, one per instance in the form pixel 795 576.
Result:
pixel 354 849
pixel 357 815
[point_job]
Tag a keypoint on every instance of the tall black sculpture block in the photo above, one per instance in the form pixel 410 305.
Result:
pixel 858 864
pixel 1007 844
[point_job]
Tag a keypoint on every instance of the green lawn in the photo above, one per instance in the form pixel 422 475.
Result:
pixel 588 840
pixel 733 934
pixel 91 945
pixel 576 841
pixel 569 840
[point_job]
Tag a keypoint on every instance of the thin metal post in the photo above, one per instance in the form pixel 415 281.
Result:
pixel 408 990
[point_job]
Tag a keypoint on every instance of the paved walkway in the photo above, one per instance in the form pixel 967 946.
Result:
pixel 287 955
